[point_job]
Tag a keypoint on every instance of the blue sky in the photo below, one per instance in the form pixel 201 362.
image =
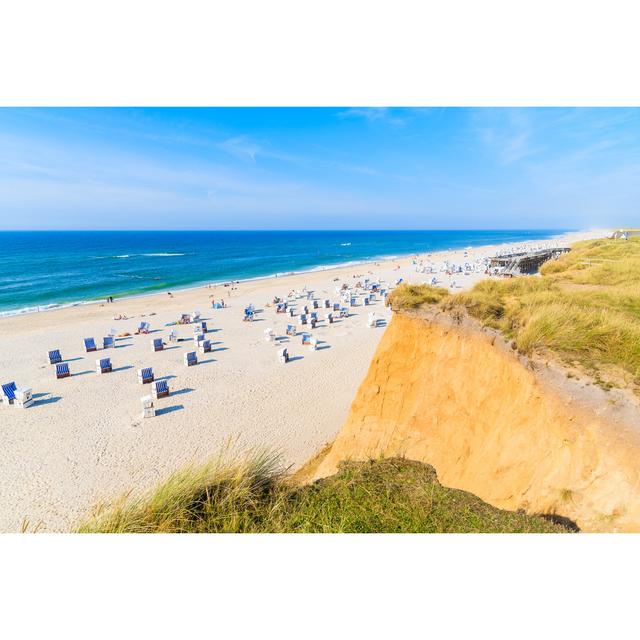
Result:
pixel 305 168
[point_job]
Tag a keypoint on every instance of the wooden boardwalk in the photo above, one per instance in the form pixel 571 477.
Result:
pixel 516 264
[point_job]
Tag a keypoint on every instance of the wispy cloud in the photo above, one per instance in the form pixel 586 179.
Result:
pixel 383 115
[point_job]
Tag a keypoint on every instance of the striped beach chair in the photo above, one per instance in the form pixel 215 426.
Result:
pixel 90 345
pixel 54 356
pixel 108 342
pixel 62 370
pixel 144 327
pixel 160 389
pixel 145 375
pixel 157 344
pixel 103 365
pixel 190 358
pixel 8 393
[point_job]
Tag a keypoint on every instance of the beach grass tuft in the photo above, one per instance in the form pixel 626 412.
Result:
pixel 378 496
pixel 414 296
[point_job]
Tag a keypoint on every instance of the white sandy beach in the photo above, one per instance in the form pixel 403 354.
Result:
pixel 84 440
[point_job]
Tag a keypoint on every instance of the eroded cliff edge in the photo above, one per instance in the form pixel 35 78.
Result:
pixel 517 433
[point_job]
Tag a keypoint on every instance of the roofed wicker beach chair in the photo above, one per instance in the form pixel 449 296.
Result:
pixel 344 312
pixel 283 356
pixel 302 319
pixel 157 344
pixel 205 346
pixel 198 338
pixel 315 304
pixel 54 356
pixel 62 370
pixel 313 344
pixel 366 301
pixel 108 342
pixel 185 318
pixel 173 335
pixel 143 327
pixel 291 330
pixel 190 358
pixel 329 317
pixel 145 375
pixel 336 306
pixel 8 393
pixel 90 345
pixel 103 365
pixel 203 326
pixel 327 303
pixel 195 316
pixel 306 338
pixel 281 307
pixel 292 311
pixel 160 389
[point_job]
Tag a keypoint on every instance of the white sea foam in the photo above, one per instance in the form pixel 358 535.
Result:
pixel 163 255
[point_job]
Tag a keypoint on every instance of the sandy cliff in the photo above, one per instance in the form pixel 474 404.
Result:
pixel 519 434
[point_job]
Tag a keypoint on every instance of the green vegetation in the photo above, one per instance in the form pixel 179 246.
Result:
pixel 383 496
pixel 585 308
pixel 414 296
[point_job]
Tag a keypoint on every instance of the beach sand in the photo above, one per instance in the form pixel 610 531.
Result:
pixel 84 440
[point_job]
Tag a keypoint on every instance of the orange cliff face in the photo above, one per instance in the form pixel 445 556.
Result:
pixel 520 437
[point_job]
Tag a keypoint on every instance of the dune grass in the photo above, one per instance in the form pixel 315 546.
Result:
pixel 585 308
pixel 414 296
pixel 383 496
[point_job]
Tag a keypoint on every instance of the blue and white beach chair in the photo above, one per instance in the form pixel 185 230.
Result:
pixel 190 358
pixel 62 370
pixel 9 393
pixel 144 327
pixel 291 330
pixel 90 345
pixel 329 317
pixel 145 375
pixel 205 346
pixel 103 365
pixel 108 342
pixel 54 356
pixel 283 356
pixel 306 338
pixel 336 306
pixel 160 389
pixel 157 344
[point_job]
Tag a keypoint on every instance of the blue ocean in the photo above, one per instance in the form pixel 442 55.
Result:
pixel 41 269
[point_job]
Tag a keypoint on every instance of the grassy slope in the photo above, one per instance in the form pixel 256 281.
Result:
pixel 384 496
pixel 585 308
